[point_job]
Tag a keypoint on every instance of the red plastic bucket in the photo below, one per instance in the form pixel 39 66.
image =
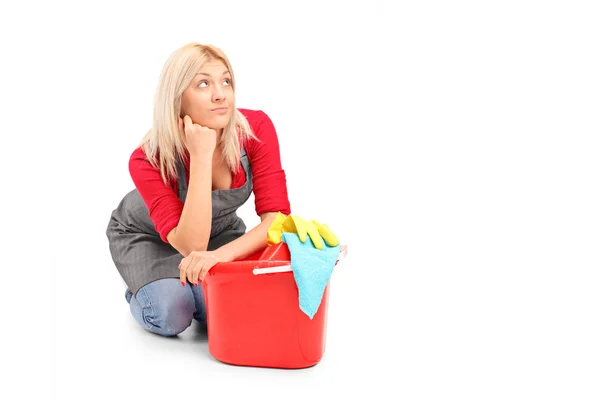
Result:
pixel 253 314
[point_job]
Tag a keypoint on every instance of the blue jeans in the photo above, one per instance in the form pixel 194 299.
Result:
pixel 165 307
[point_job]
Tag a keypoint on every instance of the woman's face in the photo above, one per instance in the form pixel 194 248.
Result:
pixel 209 99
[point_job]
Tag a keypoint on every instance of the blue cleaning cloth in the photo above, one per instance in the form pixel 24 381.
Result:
pixel 312 269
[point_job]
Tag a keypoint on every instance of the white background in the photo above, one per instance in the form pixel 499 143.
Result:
pixel 453 146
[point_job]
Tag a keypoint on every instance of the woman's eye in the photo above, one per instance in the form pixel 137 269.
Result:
pixel 203 83
pixel 228 81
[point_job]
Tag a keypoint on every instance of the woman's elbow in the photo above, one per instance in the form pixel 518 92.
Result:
pixel 185 245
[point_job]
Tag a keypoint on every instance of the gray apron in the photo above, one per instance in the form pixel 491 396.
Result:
pixel 137 250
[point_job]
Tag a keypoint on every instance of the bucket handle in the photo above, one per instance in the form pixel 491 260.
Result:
pixel 288 267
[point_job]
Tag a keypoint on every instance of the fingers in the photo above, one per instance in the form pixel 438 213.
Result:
pixel 182 268
pixel 313 232
pixel 192 271
pixel 198 271
pixel 211 261
pixel 207 266
pixel 328 235
pixel 295 224
pixel 195 266
pixel 187 122
pixel 186 267
pixel 195 271
pixel 181 127
pixel 312 228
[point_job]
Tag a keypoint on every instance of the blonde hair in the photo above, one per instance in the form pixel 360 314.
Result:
pixel 163 144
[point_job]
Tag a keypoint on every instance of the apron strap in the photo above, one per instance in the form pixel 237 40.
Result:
pixel 182 181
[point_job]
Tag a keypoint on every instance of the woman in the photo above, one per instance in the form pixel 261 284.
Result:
pixel 197 165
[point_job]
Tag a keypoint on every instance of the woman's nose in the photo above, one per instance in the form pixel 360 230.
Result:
pixel 218 94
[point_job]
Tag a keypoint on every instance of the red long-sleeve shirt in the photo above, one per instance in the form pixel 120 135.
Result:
pixel 268 178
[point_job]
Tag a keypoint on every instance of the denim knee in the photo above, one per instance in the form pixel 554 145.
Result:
pixel 167 313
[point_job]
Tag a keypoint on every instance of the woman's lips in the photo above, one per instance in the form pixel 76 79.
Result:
pixel 220 110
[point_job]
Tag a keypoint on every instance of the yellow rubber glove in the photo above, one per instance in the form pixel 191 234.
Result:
pixel 326 233
pixel 295 224
pixel 275 231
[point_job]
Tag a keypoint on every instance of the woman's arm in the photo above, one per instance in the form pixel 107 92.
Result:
pixel 193 230
pixel 195 266
pixel 269 186
pixel 249 243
